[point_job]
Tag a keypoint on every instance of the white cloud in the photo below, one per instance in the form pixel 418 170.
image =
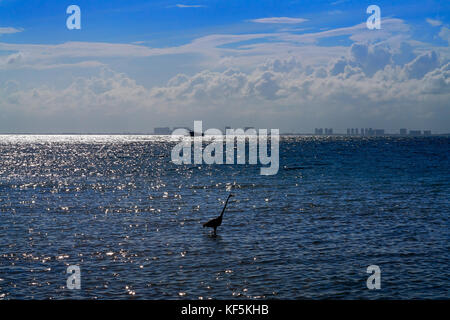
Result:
pixel 281 79
pixel 445 34
pixel 367 88
pixel 280 20
pixel 20 60
pixel 9 30
pixel 43 53
pixel 437 81
pixel 339 2
pixel 357 33
pixel 282 65
pixel 190 6
pixel 433 22
pixel 216 48
pixel 423 64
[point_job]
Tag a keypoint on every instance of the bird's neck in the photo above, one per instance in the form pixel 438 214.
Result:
pixel 223 211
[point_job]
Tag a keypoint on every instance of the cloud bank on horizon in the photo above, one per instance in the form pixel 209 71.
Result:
pixel 279 65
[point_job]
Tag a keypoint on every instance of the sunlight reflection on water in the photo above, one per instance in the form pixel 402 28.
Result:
pixel 117 207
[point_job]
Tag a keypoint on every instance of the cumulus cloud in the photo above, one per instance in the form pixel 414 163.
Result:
pixel 279 79
pixel 367 58
pixel 422 65
pixel 14 58
pixel 445 34
pixel 438 81
pixel 282 65
pixel 371 59
pixel 419 89
pixel 368 87
pixel 404 54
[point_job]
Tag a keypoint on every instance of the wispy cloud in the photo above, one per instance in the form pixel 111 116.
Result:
pixel 9 30
pixel 433 22
pixel 280 20
pixel 217 47
pixel 338 2
pixel 190 6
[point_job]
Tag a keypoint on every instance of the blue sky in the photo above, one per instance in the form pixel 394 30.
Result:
pixel 293 65
pixel 167 23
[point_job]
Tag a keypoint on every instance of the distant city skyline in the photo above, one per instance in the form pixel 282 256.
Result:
pixel 317 131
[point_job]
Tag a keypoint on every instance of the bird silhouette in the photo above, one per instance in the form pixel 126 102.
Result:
pixel 216 222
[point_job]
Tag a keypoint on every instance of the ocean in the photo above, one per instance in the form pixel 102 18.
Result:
pixel 132 221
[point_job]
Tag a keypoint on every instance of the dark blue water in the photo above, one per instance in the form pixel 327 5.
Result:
pixel 117 207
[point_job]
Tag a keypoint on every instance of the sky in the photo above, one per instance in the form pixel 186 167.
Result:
pixel 284 64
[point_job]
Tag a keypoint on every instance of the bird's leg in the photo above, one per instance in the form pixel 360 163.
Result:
pixel 215 231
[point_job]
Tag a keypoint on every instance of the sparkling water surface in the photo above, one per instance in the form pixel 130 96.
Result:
pixel 132 220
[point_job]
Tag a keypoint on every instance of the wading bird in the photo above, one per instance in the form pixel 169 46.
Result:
pixel 216 222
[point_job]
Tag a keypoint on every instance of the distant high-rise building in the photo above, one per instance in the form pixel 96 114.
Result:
pixel 427 132
pixel 403 131
pixel 318 131
pixel 379 132
pixel 356 131
pixel 348 130
pixel 362 131
pixel 328 131
pixel 162 131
